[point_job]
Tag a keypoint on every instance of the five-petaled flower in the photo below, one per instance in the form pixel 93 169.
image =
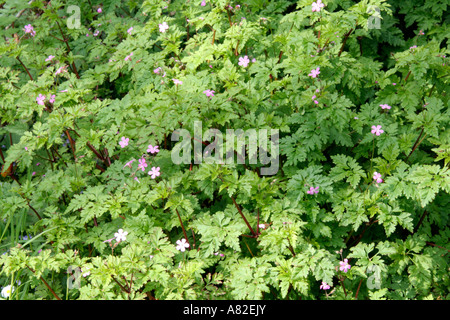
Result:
pixel 50 57
pixel 182 245
pixel 244 61
pixel 313 190
pixel 6 291
pixel 152 149
pixel 377 130
pixel 163 27
pixel 40 99
pixel 121 235
pixel 154 172
pixel 385 106
pixel 203 3
pixel 344 265
pixel 29 29
pixel 377 177
pixel 128 164
pixel 142 164
pixel 317 5
pixel 209 93
pixel 314 72
pixel 124 142
pixel 177 82
pixel 324 286
pixel 52 98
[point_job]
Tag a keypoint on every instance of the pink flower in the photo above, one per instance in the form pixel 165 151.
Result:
pixel 61 70
pixel 38 163
pixel 52 98
pixel 209 93
pixel 163 27
pixel 244 61
pixel 128 57
pixel 177 82
pixel 152 149
pixel 253 60
pixel 135 178
pixel 99 10
pixel 377 177
pixel 26 149
pixel 182 245
pixel 29 29
pixel 34 172
pixel 154 172
pixel 40 99
pixel 129 31
pixel 142 164
pixel 385 106
pixel 377 130
pixel 314 72
pixel 324 286
pixel 344 265
pixel 313 190
pixel 50 57
pixel 96 33
pixel 317 5
pixel 157 70
pixel 203 3
pixel 124 142
pixel 128 164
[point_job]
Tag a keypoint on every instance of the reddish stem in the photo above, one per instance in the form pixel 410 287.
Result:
pixel 26 69
pixel 182 227
pixel 344 42
pixel 46 284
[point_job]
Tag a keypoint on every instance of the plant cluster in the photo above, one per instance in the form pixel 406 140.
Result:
pixel 92 206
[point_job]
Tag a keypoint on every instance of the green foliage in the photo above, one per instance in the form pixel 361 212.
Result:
pixel 81 220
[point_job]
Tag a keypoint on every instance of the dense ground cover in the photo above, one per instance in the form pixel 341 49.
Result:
pixel 99 199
